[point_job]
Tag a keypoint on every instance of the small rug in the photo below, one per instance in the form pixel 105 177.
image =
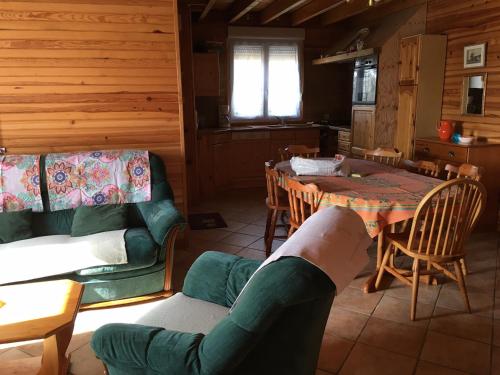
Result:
pixel 206 221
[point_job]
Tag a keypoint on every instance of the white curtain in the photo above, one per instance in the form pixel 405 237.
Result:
pixel 284 88
pixel 248 81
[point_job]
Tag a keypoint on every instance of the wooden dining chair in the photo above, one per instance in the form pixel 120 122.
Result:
pixel 424 167
pixel 388 156
pixel 303 200
pixel 276 202
pixel 442 223
pixel 464 171
pixel 298 150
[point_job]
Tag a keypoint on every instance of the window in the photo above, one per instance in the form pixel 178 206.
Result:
pixel 266 79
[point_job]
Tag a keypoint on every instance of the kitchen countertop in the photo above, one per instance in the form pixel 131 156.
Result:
pixel 270 127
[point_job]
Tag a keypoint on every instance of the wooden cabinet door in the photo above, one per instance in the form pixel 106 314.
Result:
pixel 206 74
pixel 409 60
pixel 363 128
pixel 405 131
pixel 222 165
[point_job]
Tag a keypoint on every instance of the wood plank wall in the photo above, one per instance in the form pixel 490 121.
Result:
pixel 469 22
pixel 92 74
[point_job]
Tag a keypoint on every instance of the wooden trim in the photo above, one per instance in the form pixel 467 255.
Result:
pixel 349 9
pixel 242 7
pixel 127 301
pixel 314 9
pixel 169 256
pixel 207 8
pixel 278 8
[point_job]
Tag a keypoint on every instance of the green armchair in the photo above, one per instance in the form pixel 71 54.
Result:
pixel 275 328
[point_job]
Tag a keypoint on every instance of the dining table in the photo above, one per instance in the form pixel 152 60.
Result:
pixel 381 194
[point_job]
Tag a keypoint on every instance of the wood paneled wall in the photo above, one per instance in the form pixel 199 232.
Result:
pixel 394 27
pixel 469 22
pixel 92 74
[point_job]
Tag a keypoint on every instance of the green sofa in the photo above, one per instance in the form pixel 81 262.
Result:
pixel 149 241
pixel 276 327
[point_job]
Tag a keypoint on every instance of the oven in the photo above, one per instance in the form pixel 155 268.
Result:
pixel 364 89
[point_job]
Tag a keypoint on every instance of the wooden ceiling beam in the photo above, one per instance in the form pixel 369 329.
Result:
pixel 278 8
pixel 207 8
pixel 240 8
pixel 349 9
pixel 314 9
pixel 374 14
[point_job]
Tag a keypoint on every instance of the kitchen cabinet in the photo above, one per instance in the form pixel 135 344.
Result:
pixel 235 158
pixel 206 74
pixel 421 73
pixel 409 60
pixel 481 154
pixel 344 142
pixel 362 128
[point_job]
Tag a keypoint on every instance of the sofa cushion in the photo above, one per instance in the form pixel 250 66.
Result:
pixel 98 219
pixel 184 314
pixel 15 226
pixel 142 252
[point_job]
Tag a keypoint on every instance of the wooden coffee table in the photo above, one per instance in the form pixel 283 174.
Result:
pixel 45 310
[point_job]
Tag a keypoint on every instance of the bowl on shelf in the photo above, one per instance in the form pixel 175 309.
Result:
pixel 466 140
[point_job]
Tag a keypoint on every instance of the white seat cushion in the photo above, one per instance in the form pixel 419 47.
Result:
pixel 185 314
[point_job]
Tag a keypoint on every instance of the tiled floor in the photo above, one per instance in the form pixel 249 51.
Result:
pixel 366 333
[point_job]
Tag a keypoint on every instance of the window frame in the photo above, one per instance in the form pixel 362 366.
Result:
pixel 265 42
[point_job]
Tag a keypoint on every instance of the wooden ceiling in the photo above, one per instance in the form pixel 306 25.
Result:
pixel 298 12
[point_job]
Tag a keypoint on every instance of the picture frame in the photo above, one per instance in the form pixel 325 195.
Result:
pixel 475 56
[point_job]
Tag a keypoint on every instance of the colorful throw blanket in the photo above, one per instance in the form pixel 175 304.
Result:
pixel 97 178
pixel 20 183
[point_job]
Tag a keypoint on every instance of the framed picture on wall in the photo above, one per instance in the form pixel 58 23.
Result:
pixel 475 56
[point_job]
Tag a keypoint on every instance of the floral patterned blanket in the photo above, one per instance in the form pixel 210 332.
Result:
pixel 20 183
pixel 97 178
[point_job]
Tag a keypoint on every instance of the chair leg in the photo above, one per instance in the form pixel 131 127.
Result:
pixel 414 290
pixel 268 223
pixel 381 270
pixel 270 234
pixel 290 231
pixel 461 284
pixel 464 266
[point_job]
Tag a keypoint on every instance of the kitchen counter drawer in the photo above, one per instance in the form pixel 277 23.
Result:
pixel 431 150
pixel 344 136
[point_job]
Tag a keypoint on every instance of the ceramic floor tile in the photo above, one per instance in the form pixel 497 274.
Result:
pixel 33 349
pixel 13 354
pixel 427 368
pixel 252 254
pixel 84 362
pixel 334 351
pixel 233 226
pixel 398 310
pixel 392 336
pixel 261 245
pixel 451 298
pixel 252 229
pixel 346 324
pixel 368 360
pixel 356 300
pixel 238 239
pixel 427 294
pixel 462 324
pixel 461 354
pixel 208 234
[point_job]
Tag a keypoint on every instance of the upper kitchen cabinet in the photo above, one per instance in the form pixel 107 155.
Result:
pixel 420 89
pixel 206 74
pixel 409 60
